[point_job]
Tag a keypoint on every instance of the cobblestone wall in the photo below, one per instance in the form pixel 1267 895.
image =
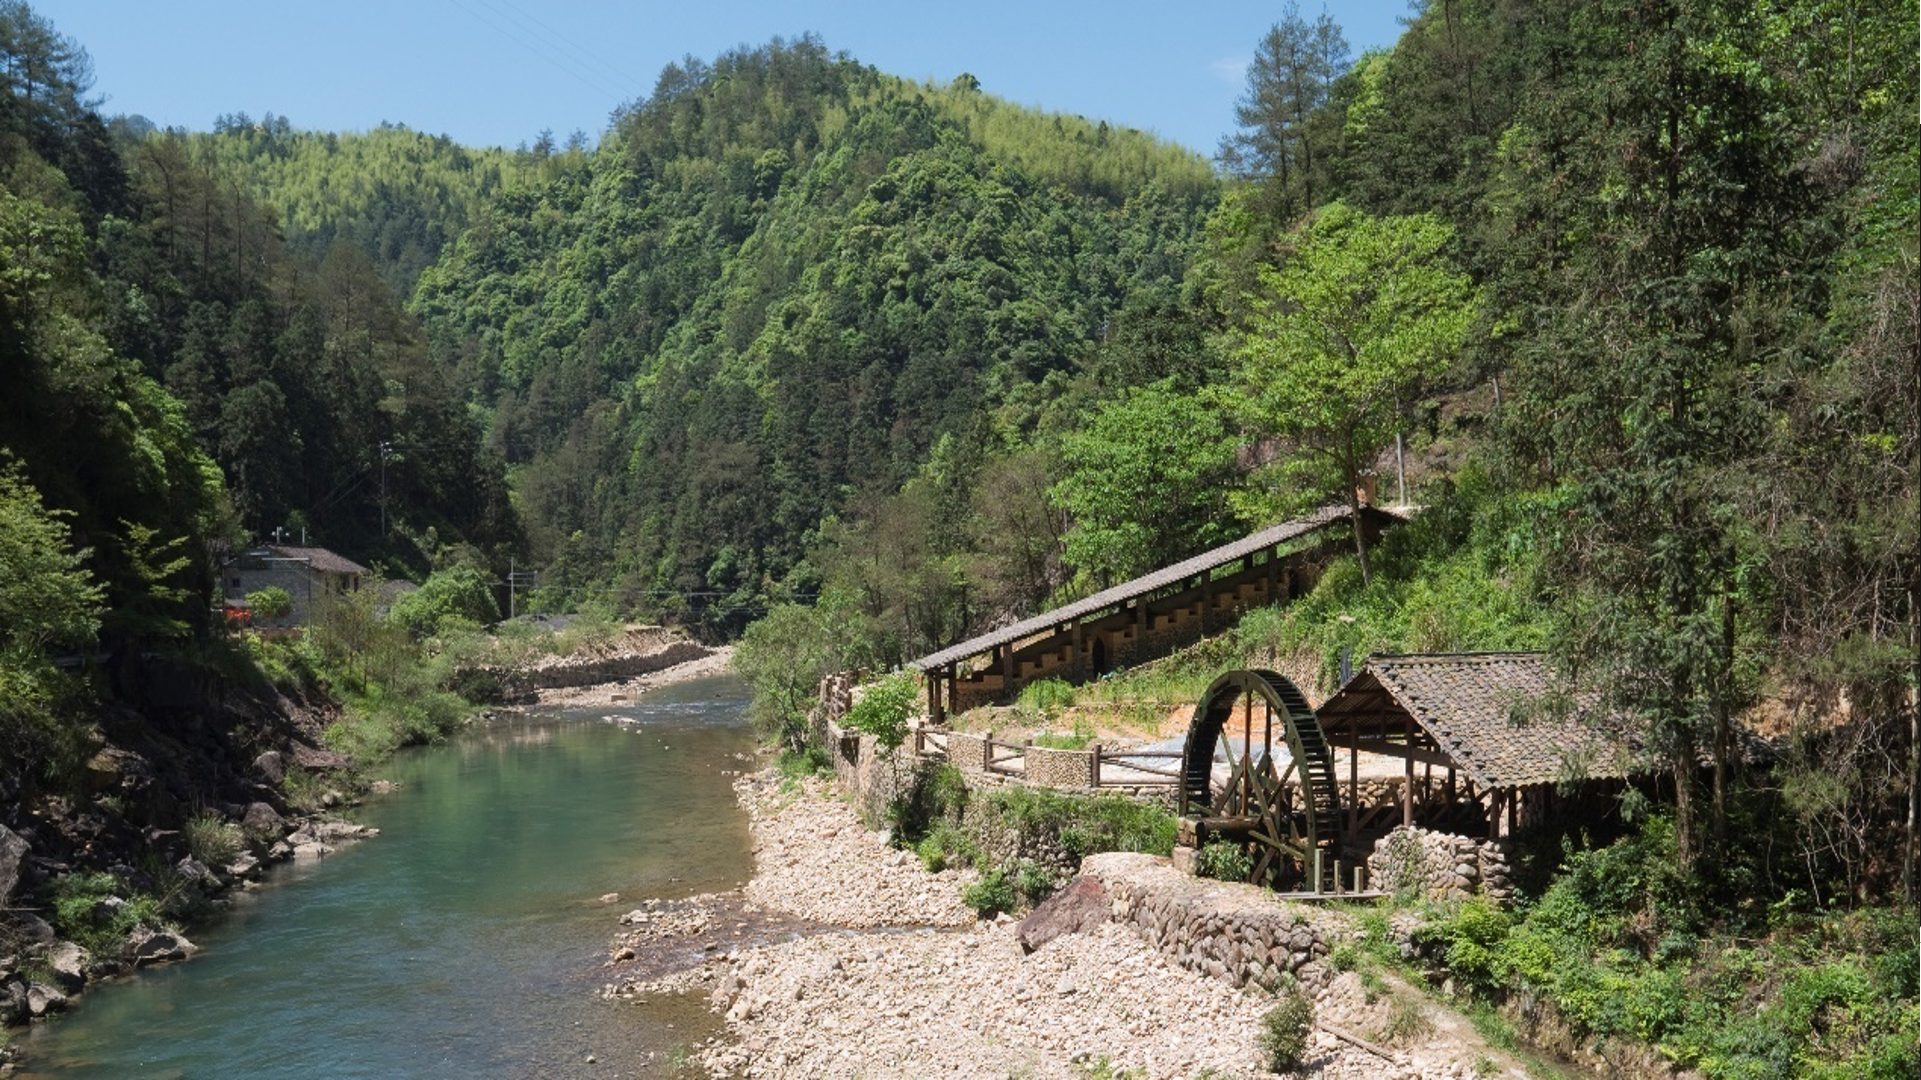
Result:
pixel 1240 933
pixel 1060 768
pixel 1440 866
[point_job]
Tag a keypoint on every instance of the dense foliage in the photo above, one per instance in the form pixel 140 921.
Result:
pixel 774 288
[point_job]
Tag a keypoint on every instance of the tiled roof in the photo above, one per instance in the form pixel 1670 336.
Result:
pixel 1478 707
pixel 319 558
pixel 1140 586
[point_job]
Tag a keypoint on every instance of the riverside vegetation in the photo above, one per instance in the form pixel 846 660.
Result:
pixel 850 367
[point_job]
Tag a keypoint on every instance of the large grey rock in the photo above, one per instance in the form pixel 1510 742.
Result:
pixel 43 999
pixel 68 963
pixel 1080 907
pixel 147 945
pixel 34 929
pixel 13 1000
pixel 271 767
pixel 13 854
pixel 262 821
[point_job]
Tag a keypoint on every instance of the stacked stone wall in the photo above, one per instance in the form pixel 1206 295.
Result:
pixel 1239 933
pixel 1440 866
pixel 1060 768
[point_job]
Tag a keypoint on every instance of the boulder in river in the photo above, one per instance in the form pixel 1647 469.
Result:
pixel 147 945
pixel 43 999
pixel 68 963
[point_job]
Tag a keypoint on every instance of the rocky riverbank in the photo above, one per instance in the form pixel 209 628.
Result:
pixel 194 799
pixel 700 662
pixel 897 978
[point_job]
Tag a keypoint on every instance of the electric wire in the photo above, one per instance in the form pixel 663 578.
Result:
pixel 537 48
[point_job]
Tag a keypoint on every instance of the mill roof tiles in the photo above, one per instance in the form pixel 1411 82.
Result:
pixel 1481 710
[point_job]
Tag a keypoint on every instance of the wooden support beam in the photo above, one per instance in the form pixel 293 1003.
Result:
pixel 1407 790
pixel 1392 749
pixel 934 712
pixel 953 688
pixel 1080 654
pixel 1007 669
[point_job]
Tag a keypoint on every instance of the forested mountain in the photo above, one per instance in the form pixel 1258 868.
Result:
pixel 178 383
pixel 780 281
pixel 398 195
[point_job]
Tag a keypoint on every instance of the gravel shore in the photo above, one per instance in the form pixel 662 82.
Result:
pixel 625 690
pixel 897 978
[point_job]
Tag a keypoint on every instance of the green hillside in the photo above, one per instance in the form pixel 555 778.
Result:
pixel 779 282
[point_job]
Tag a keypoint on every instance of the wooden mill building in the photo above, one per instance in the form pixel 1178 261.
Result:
pixel 1145 618
pixel 1480 756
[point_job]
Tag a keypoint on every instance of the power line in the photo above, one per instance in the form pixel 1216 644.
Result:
pixel 601 67
pixel 536 47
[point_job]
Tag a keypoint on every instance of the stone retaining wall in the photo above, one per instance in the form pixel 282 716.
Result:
pixel 1060 768
pixel 1240 933
pixel 1440 866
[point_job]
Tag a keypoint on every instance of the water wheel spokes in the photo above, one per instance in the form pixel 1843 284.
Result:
pixel 1282 814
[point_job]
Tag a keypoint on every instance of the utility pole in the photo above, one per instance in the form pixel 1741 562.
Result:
pixel 385 449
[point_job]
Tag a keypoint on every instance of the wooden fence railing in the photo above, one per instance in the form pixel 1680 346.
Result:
pixel 1093 766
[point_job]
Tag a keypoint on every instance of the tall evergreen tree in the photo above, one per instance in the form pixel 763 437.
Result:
pixel 1294 68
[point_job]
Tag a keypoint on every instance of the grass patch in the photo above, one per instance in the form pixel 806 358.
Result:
pixel 98 911
pixel 213 840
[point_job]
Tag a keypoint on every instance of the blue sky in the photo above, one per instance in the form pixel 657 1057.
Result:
pixel 498 71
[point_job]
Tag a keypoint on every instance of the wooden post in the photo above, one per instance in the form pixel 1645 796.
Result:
pixel 1274 574
pixel 1354 783
pixel 1407 788
pixel 1095 764
pixel 934 712
pixel 953 688
pixel 1007 671
pixel 1080 663
pixel 1319 881
pixel 1140 629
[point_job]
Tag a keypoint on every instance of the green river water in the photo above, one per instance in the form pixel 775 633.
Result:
pixel 465 941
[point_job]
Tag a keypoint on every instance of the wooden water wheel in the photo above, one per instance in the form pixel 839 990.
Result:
pixel 1284 813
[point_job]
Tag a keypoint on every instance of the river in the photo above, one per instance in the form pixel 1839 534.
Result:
pixel 465 940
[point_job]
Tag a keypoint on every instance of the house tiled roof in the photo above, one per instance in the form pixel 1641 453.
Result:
pixel 1479 709
pixel 1327 517
pixel 319 558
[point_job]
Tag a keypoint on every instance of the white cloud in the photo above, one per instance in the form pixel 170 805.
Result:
pixel 1231 70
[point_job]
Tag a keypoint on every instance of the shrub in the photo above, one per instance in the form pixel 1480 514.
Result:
pixel 1469 941
pixel 91 909
pixel 946 846
pixel 884 711
pixel 991 895
pixel 1034 883
pixel 272 602
pixel 1226 861
pixel 1285 1029
pixel 213 840
pixel 460 592
pixel 809 760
